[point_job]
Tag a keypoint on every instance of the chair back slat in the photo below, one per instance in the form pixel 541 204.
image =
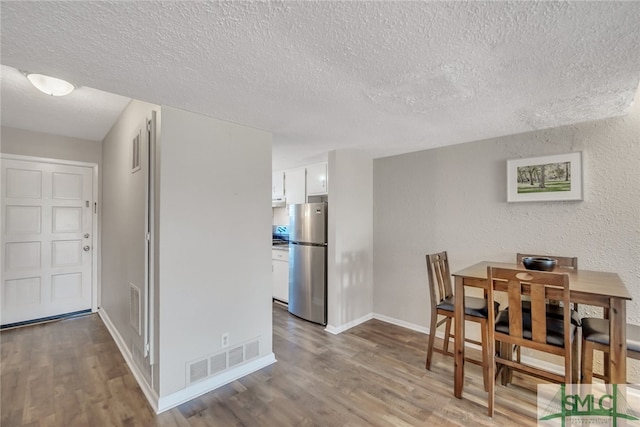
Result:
pixel 439 277
pixel 515 308
pixel 538 314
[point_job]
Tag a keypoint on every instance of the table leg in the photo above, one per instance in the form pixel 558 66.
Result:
pixel 459 341
pixel 618 341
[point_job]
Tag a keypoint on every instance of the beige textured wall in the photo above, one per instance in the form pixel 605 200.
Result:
pixel 454 199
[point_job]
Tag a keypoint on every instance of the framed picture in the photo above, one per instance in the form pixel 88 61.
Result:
pixel 535 179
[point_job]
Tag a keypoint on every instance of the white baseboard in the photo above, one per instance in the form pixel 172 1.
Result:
pixel 538 363
pixel 148 392
pixel 164 403
pixel 198 389
pixel 398 322
pixel 339 329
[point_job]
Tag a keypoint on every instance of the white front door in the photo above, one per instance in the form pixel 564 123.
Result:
pixel 47 241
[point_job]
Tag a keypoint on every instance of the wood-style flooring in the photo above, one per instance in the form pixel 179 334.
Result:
pixel 70 373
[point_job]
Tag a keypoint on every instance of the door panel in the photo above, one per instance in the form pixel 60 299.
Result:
pixel 47 239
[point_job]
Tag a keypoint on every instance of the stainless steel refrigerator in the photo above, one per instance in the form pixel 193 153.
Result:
pixel 308 261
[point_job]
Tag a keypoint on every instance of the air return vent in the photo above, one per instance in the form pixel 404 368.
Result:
pixel 251 350
pixel 135 319
pixel 198 370
pixel 217 363
pixel 236 356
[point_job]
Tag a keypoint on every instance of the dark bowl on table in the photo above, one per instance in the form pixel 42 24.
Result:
pixel 539 263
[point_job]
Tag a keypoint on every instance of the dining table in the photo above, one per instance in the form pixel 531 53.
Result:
pixel 596 288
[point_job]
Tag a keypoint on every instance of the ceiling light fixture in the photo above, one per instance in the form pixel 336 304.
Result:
pixel 51 85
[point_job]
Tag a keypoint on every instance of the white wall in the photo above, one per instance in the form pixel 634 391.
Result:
pixel 454 199
pixel 215 247
pixel 350 251
pixel 28 143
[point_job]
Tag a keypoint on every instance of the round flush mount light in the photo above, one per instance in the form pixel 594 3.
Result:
pixel 51 85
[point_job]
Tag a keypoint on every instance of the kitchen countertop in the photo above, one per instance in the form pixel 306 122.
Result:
pixel 280 247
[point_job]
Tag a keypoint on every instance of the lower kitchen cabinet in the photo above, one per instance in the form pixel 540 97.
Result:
pixel 280 276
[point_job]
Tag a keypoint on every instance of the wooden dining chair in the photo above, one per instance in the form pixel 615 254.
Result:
pixel 534 329
pixel 442 304
pixel 553 308
pixel 595 336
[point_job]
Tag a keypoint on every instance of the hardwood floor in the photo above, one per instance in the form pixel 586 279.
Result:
pixel 70 373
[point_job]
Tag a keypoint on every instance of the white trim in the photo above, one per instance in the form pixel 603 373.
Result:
pixel 95 258
pixel 339 329
pixel 164 403
pixel 538 363
pixel 95 303
pixel 46 160
pixel 402 323
pixel 417 328
pixel 149 393
pixel 198 389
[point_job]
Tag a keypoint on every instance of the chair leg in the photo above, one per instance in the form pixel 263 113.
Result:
pixel 490 367
pixel 506 352
pixel 447 336
pixel 587 362
pixel 484 333
pixel 432 338
pixel 607 364
pixel 574 361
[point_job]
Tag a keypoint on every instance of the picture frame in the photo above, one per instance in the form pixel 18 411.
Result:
pixel 545 178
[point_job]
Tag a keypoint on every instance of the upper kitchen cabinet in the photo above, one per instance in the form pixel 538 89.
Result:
pixel 317 182
pixel 277 185
pixel 295 186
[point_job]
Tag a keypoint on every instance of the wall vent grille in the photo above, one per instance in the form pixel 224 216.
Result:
pixel 140 361
pixel 251 350
pixel 135 319
pixel 236 356
pixel 198 371
pixel 216 363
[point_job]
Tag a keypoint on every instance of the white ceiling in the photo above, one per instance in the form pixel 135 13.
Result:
pixel 388 77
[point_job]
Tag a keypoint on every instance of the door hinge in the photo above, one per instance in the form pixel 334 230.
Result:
pixel 95 207
pixel 148 236
pixel 147 347
pixel 148 125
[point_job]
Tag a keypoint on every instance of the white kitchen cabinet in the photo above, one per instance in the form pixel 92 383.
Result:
pixel 317 180
pixel 295 190
pixel 277 185
pixel 280 276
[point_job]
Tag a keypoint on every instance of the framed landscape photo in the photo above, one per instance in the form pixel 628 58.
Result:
pixel 535 179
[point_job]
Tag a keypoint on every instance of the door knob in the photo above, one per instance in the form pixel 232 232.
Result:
pixel 86 248
pixel 86 235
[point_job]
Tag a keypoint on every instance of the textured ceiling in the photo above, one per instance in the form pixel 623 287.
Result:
pixel 389 77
